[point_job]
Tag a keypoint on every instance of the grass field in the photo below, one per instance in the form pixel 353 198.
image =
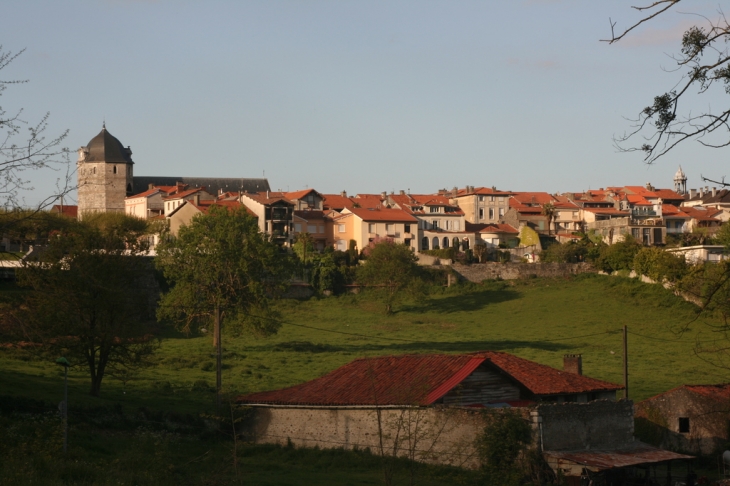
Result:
pixel 538 319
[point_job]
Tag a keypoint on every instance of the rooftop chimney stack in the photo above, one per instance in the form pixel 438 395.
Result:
pixel 714 191
pixel 573 363
pixel 343 194
pixel 692 193
pixel 196 199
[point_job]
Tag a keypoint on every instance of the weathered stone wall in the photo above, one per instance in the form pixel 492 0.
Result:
pixel 513 271
pixel 658 418
pixel 443 435
pixel 602 424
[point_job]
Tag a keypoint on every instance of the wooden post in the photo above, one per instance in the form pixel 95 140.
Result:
pixel 626 363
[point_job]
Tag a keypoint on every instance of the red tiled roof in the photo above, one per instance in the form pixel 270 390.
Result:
pixel 668 194
pixel 720 392
pixel 421 380
pixel 65 210
pixel 148 192
pixel 498 228
pixel 483 191
pixel 383 214
pixel 183 194
pixel 336 201
pixel 533 198
pixel 267 198
pixel 299 194
pixel 700 214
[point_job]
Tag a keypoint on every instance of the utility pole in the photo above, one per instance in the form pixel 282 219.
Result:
pixel 218 357
pixel 626 362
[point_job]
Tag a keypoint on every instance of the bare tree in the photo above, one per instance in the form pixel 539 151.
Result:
pixel 704 61
pixel 23 152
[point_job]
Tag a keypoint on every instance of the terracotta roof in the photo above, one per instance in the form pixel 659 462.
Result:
pixel 299 194
pixel 267 198
pixel 383 214
pixel 668 194
pixel 411 203
pixel 148 192
pixel 700 213
pixel 533 198
pixel 184 194
pixel 421 380
pixel 493 228
pixel 65 210
pixel 483 191
pixel 336 201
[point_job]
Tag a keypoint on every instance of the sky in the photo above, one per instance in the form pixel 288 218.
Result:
pixel 363 96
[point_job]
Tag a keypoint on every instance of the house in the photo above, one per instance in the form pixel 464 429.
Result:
pixel 692 418
pixel 70 211
pixel 184 214
pixel 175 198
pixel 306 200
pixel 480 204
pixel 371 224
pixel 698 254
pixel 314 223
pixel 526 208
pixel 496 234
pixel 149 203
pixel 435 405
pixel 441 224
pixel 275 214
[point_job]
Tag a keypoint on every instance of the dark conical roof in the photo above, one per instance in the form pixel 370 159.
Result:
pixel 105 147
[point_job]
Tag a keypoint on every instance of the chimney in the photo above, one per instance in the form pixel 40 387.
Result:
pixel 150 186
pixel 692 193
pixel 454 191
pixel 196 199
pixel 402 192
pixel 343 194
pixel 383 195
pixel 573 363
pixel 714 191
pixel 701 193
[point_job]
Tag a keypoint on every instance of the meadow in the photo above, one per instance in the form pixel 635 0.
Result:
pixel 538 319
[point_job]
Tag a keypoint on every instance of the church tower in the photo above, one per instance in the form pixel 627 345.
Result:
pixel 104 171
pixel 680 182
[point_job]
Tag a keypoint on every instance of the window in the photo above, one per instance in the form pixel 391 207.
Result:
pixel 684 425
pixel 407 228
pixel 407 242
pixel 311 228
pixel 389 228
pixel 114 169
pixel 341 228
pixel 434 209
pixel 371 227
pixel 501 212
pixel 491 198
pixel 491 213
pixel 481 198
pixel 456 226
pixel 435 224
pixel 298 227
pixel 424 243
pixel 446 241
pixel 481 213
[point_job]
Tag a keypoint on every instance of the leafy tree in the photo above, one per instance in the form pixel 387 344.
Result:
pixel 704 61
pixel 391 265
pixel 91 296
pixel 21 153
pixel 222 270
pixel 619 256
pixel 548 210
pixel 660 265
pixel 501 447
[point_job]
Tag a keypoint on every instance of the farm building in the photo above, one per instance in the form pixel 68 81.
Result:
pixel 692 418
pixel 433 407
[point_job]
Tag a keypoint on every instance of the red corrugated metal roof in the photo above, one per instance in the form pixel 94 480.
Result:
pixel 421 380
pixel 600 460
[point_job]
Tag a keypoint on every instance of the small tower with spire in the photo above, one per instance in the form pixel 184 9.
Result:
pixel 680 182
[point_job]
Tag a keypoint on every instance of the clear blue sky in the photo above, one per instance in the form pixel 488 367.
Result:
pixel 366 96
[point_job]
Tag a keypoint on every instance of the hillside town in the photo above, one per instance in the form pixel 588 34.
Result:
pixel 458 218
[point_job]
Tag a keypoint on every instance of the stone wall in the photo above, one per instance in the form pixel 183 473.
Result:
pixel 443 435
pixel 512 271
pixel 602 424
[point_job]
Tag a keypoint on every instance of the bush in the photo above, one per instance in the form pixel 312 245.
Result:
pixel 502 448
pixel 619 256
pixel 660 265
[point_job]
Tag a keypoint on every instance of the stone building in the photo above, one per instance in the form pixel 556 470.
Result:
pixel 105 173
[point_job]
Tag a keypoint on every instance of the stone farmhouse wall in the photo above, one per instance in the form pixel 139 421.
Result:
pixel 441 435
pixel 513 271
pixel 434 435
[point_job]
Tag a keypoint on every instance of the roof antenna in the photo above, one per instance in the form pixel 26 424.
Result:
pixel 103 124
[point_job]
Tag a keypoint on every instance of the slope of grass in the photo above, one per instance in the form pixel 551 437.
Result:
pixel 538 319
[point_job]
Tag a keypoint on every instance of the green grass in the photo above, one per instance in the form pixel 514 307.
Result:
pixel 538 319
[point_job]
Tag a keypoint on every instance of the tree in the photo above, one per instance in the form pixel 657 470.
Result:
pixel 91 296
pixel 391 265
pixel 548 210
pixel 222 270
pixel 21 153
pixel 619 256
pixel 704 59
pixel 660 265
